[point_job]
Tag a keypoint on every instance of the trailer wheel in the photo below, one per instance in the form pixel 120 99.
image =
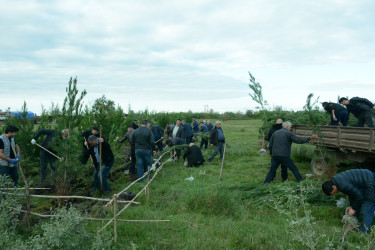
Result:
pixel 319 167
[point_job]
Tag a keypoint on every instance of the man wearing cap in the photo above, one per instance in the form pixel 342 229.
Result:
pixel 361 108
pixel 337 112
pixel 86 134
pixel 135 124
pixel 45 156
pixel 9 154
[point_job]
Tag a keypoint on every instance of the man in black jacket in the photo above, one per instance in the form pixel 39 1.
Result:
pixel 158 134
pixel 361 108
pixel 359 185
pixel 280 149
pixel 194 156
pixel 45 156
pixel 217 140
pixel 204 135
pixel 107 161
pixel 278 125
pixel 85 135
pixel 337 112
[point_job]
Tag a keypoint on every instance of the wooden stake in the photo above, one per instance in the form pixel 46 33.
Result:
pixel 115 217
pixel 28 206
pixel 148 184
pixel 100 161
pixel 222 162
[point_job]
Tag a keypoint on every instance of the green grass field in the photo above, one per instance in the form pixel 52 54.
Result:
pixel 237 213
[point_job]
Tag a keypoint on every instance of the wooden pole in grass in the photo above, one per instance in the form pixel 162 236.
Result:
pixel 222 163
pixel 148 184
pixel 115 217
pixel 100 159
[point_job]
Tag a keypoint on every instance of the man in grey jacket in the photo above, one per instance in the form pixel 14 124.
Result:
pixel 9 154
pixel 280 148
pixel 144 144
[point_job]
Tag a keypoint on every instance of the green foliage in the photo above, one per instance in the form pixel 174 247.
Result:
pixel 67 231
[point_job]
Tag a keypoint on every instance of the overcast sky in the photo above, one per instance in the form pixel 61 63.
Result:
pixel 183 55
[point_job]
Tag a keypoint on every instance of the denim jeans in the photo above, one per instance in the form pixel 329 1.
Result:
pixel 218 148
pixel 287 162
pixel 11 171
pixel 46 158
pixel 342 117
pixel 144 158
pixel 105 172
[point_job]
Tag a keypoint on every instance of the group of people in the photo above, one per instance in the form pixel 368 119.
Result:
pixel 361 108
pixel 144 141
pixel 358 184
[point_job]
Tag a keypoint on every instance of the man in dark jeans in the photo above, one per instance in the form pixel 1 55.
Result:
pixel 337 112
pixel 9 154
pixel 217 140
pixel 280 148
pixel 107 161
pixel 128 136
pixel 144 144
pixel 45 156
pixel 359 185
pixel 361 108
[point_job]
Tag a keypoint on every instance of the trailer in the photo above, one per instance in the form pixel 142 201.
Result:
pixel 342 143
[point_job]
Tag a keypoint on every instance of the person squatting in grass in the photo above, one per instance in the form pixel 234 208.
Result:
pixel 144 144
pixel 359 185
pixel 194 156
pixel 361 108
pixel 337 112
pixel 45 156
pixel 217 140
pixel 107 161
pixel 280 149
pixel 9 160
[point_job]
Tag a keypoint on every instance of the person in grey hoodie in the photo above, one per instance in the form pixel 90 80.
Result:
pixel 280 149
